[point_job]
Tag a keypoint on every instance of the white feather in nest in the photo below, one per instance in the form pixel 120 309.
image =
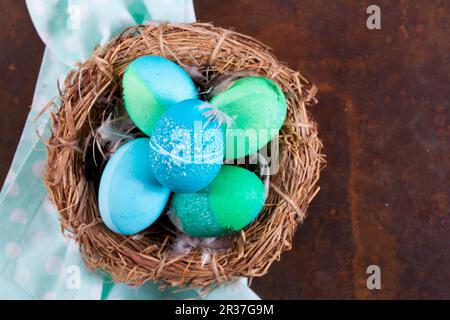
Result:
pixel 224 81
pixel 264 170
pixel 113 133
pixel 212 113
pixel 195 74
pixel 184 243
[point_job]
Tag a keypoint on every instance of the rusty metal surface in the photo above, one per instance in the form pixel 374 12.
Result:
pixel 20 58
pixel 384 119
pixel 383 114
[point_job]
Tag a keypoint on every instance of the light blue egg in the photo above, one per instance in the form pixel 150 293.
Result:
pixel 130 198
pixel 187 147
pixel 150 85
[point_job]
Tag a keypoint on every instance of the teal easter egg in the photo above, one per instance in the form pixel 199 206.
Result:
pixel 186 147
pixel 257 107
pixel 231 202
pixel 150 84
pixel 130 198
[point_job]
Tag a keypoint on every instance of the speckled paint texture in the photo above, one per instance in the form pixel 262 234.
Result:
pixel 186 147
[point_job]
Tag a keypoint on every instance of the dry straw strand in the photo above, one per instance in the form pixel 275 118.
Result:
pixel 93 91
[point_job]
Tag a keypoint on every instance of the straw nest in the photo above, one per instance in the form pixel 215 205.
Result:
pixel 92 93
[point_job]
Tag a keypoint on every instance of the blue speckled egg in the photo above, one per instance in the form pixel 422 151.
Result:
pixel 150 85
pixel 130 198
pixel 186 147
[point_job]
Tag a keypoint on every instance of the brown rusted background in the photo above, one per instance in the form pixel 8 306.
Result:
pixel 383 116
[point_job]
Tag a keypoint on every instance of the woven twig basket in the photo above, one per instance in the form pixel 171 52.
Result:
pixel 74 161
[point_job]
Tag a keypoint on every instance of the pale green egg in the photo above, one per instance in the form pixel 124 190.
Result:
pixel 257 108
pixel 231 202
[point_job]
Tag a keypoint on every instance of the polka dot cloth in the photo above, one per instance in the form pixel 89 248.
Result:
pixel 36 261
pixel 72 28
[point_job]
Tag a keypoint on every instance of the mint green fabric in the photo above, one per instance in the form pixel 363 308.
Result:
pixel 36 261
pixel 72 28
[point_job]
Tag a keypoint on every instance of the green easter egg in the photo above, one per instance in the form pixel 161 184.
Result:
pixel 231 202
pixel 258 107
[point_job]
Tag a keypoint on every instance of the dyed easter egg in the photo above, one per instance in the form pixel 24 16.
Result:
pixel 257 107
pixel 186 147
pixel 231 202
pixel 130 198
pixel 150 84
